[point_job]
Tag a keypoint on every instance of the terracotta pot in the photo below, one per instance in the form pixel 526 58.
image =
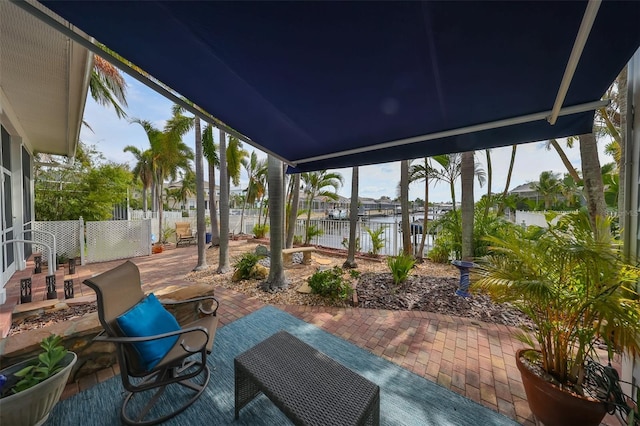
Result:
pixel 554 406
pixel 156 248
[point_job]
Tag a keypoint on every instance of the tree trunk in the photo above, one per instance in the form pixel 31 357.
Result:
pixel 200 225
pixel 489 177
pixel 425 221
pixel 307 237
pixel 213 208
pixel 223 263
pixel 353 220
pixel 293 211
pixel 467 205
pixel 276 277
pixel 592 176
pixel 244 205
pixel 144 202
pixel 506 185
pixel 404 206
pixel 565 160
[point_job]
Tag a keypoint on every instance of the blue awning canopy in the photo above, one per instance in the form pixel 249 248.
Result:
pixel 336 84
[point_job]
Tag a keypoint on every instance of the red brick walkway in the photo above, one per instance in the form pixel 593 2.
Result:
pixel 469 357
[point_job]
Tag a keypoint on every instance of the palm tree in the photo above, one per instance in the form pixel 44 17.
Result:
pixel 210 151
pixel 404 206
pixel 235 155
pixel 565 160
pixel 353 220
pixel 467 174
pixel 315 184
pixel 422 172
pixel 188 187
pixel 107 86
pixel 255 188
pixel 180 125
pixel 276 279
pixel 489 178
pixel 223 263
pixel 594 187
pixel 169 154
pixel 293 209
pixel 448 172
pixel 548 187
pixel 143 170
pixel 508 182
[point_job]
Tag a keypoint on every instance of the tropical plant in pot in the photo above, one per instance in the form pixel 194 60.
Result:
pixel 573 282
pixel 30 389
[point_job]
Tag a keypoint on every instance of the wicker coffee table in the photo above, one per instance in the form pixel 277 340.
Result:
pixel 308 386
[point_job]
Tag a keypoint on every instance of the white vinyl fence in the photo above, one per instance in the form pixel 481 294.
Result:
pixel 118 239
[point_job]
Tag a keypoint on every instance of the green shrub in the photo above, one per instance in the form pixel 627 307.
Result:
pixel 313 231
pixel 400 266
pixel 377 239
pixel 345 243
pixel 354 273
pixel 297 240
pixel 260 230
pixel 439 253
pixel 245 263
pixel 330 283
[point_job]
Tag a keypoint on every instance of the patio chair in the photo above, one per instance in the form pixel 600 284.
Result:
pixel 153 350
pixel 184 235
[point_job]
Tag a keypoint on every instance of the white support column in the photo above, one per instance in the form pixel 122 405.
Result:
pixel 631 367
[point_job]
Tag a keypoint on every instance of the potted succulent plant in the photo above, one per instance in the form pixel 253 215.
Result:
pixel 573 282
pixel 30 389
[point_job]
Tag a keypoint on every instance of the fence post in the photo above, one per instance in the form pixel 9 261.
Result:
pixel 81 240
pixel 395 236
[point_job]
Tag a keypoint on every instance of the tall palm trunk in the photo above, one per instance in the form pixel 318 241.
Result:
pixel 276 277
pixel 404 205
pixel 353 220
pixel 307 237
pixel 244 205
pixel 425 221
pixel 565 160
pixel 506 185
pixel 467 173
pixel 200 224
pixel 223 263
pixel 293 211
pixel 213 208
pixel 489 177
pixel 593 185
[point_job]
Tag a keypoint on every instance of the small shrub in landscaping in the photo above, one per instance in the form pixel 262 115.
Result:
pixel 297 240
pixel 244 264
pixel 345 243
pixel 330 283
pixel 313 231
pixel 400 266
pixel 355 274
pixel 377 239
pixel 260 230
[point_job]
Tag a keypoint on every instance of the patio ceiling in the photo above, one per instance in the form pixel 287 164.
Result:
pixel 336 84
pixel 43 82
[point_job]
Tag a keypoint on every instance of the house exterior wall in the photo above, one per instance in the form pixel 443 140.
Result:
pixel 17 200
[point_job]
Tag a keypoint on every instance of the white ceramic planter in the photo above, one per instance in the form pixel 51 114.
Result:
pixel 31 407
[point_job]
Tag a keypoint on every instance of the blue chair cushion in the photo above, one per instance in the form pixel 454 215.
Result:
pixel 149 318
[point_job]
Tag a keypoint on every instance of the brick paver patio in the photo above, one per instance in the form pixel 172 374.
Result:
pixel 472 358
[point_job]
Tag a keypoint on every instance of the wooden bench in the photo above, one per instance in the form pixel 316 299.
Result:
pixel 287 254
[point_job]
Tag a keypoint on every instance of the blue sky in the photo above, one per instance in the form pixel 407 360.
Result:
pixel 110 135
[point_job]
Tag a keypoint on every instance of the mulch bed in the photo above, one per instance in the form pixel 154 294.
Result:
pixel 432 294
